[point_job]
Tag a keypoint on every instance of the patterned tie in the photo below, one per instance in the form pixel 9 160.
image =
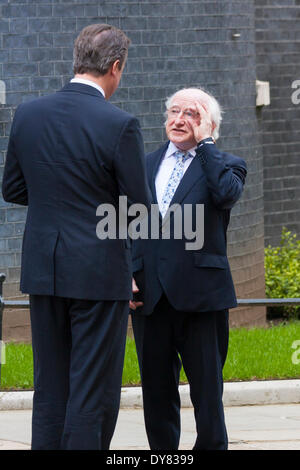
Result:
pixel 174 180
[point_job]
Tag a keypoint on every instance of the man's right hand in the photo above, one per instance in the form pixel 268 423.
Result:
pixel 205 126
pixel 133 305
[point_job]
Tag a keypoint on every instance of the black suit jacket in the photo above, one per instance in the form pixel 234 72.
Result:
pixel 198 280
pixel 68 153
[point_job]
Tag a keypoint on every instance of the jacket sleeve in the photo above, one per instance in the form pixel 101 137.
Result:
pixel 130 166
pixel 225 176
pixel 13 184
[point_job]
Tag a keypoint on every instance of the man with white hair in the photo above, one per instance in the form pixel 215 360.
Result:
pixel 182 296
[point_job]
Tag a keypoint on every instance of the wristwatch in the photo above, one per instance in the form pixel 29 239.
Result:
pixel 208 140
pixel 200 149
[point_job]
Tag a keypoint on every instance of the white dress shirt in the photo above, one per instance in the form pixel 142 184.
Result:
pixel 84 81
pixel 165 169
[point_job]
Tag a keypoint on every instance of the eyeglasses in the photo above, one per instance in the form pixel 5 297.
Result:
pixel 187 114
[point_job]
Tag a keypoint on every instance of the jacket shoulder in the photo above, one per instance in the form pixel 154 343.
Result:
pixel 97 109
pixel 34 103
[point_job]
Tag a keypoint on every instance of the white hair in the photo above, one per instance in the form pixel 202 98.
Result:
pixel 214 106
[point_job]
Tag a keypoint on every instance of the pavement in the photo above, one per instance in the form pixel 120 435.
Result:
pixel 262 415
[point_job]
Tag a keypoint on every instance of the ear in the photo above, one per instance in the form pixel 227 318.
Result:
pixel 115 67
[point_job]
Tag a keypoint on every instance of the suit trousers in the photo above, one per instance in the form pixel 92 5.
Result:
pixel 165 340
pixel 78 351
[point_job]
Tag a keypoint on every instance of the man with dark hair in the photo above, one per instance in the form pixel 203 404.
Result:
pixel 97 47
pixel 68 153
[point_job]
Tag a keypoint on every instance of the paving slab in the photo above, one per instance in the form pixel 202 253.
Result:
pixel 256 427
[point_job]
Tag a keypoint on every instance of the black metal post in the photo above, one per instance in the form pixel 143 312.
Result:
pixel 2 279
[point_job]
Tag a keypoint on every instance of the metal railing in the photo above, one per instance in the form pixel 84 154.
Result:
pixel 24 304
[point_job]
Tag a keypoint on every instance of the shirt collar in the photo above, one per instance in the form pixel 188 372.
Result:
pixel 172 149
pixel 84 81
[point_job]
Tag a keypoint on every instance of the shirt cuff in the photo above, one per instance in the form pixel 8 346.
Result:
pixel 208 140
pixel 200 149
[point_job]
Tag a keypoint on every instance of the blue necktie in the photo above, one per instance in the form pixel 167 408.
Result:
pixel 174 180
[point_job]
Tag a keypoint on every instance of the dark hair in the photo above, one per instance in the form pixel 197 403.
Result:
pixel 97 47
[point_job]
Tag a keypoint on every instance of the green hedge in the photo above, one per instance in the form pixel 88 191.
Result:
pixel 282 272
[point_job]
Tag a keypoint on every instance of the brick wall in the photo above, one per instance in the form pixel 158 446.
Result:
pixel 174 44
pixel 278 59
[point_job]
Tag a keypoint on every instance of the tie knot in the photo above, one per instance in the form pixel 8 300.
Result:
pixel 179 154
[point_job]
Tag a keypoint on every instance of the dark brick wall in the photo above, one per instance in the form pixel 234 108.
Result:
pixel 278 59
pixel 174 44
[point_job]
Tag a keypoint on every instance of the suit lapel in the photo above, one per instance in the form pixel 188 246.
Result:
pixel 190 177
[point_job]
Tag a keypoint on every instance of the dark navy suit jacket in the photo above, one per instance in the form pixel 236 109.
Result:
pixel 68 153
pixel 198 280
